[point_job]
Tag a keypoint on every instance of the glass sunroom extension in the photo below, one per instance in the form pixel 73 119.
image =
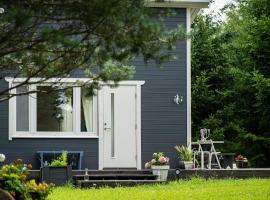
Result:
pixel 55 111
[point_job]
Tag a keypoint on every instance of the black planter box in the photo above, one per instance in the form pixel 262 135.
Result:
pixel 56 175
pixel 241 164
pixel 2 181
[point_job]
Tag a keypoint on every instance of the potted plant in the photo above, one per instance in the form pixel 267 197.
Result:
pixel 241 161
pixel 159 166
pixel 58 172
pixel 185 156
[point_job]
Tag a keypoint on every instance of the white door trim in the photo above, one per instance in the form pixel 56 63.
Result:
pixel 138 85
pixel 138 127
pixel 189 120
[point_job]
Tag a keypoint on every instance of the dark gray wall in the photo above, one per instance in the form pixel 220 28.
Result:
pixel 163 122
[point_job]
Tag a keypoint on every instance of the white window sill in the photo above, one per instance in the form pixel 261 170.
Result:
pixel 55 136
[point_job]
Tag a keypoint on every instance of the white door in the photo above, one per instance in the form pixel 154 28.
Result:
pixel 119 128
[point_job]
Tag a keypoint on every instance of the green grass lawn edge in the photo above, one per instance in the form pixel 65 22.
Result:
pixel 196 188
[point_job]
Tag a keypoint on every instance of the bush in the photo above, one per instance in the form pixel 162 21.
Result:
pixel 15 181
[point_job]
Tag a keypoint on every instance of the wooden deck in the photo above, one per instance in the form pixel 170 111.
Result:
pixel 186 174
pixel 221 173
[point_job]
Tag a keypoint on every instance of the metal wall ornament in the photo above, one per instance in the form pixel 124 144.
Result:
pixel 178 99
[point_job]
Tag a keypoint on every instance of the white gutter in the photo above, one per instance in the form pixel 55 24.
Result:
pixel 178 3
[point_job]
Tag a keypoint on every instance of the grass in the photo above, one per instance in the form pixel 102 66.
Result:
pixel 197 188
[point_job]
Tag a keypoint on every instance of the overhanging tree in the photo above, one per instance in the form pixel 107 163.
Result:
pixel 52 38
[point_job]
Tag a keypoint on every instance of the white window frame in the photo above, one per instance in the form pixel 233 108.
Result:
pixel 33 133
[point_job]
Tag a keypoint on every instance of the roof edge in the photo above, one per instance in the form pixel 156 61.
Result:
pixel 178 3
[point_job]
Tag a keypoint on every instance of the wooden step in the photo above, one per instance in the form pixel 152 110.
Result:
pixel 114 183
pixel 115 177
pixel 114 171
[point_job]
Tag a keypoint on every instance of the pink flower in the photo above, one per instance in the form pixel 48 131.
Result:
pixel 163 160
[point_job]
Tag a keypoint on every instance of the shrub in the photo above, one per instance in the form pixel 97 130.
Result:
pixel 15 181
pixel 39 191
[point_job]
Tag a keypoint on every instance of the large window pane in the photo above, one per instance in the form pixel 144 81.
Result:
pixel 22 108
pixel 54 109
pixel 86 111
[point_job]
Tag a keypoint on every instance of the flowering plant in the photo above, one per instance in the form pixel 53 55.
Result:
pixel 158 159
pixel 241 158
pixel 14 176
pixel 41 190
pixel 15 181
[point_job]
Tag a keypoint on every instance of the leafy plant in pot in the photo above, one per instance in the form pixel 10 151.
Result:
pixel 185 156
pixel 241 161
pixel 58 172
pixel 159 165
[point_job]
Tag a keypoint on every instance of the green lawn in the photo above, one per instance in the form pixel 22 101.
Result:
pixel 196 188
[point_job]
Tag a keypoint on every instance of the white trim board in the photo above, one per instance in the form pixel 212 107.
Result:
pixel 70 80
pixel 178 3
pixel 33 133
pixel 46 136
pixel 139 128
pixel 188 78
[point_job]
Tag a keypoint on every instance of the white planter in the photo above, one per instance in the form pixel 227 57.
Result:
pixel 161 171
pixel 188 164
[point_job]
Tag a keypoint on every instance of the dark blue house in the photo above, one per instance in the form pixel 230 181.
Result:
pixel 119 127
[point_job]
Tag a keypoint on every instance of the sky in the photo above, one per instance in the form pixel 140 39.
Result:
pixel 216 6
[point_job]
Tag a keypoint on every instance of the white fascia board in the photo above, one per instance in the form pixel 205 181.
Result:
pixel 178 3
pixel 51 80
pixel 70 80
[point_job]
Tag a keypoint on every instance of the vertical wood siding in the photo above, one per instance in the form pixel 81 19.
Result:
pixel 164 124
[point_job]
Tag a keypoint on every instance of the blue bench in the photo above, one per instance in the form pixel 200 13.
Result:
pixel 74 158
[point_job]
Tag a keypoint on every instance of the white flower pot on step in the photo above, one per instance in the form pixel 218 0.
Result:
pixel 161 171
pixel 188 164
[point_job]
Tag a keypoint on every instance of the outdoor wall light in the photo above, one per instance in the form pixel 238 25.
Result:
pixel 2 10
pixel 178 99
pixel 2 157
